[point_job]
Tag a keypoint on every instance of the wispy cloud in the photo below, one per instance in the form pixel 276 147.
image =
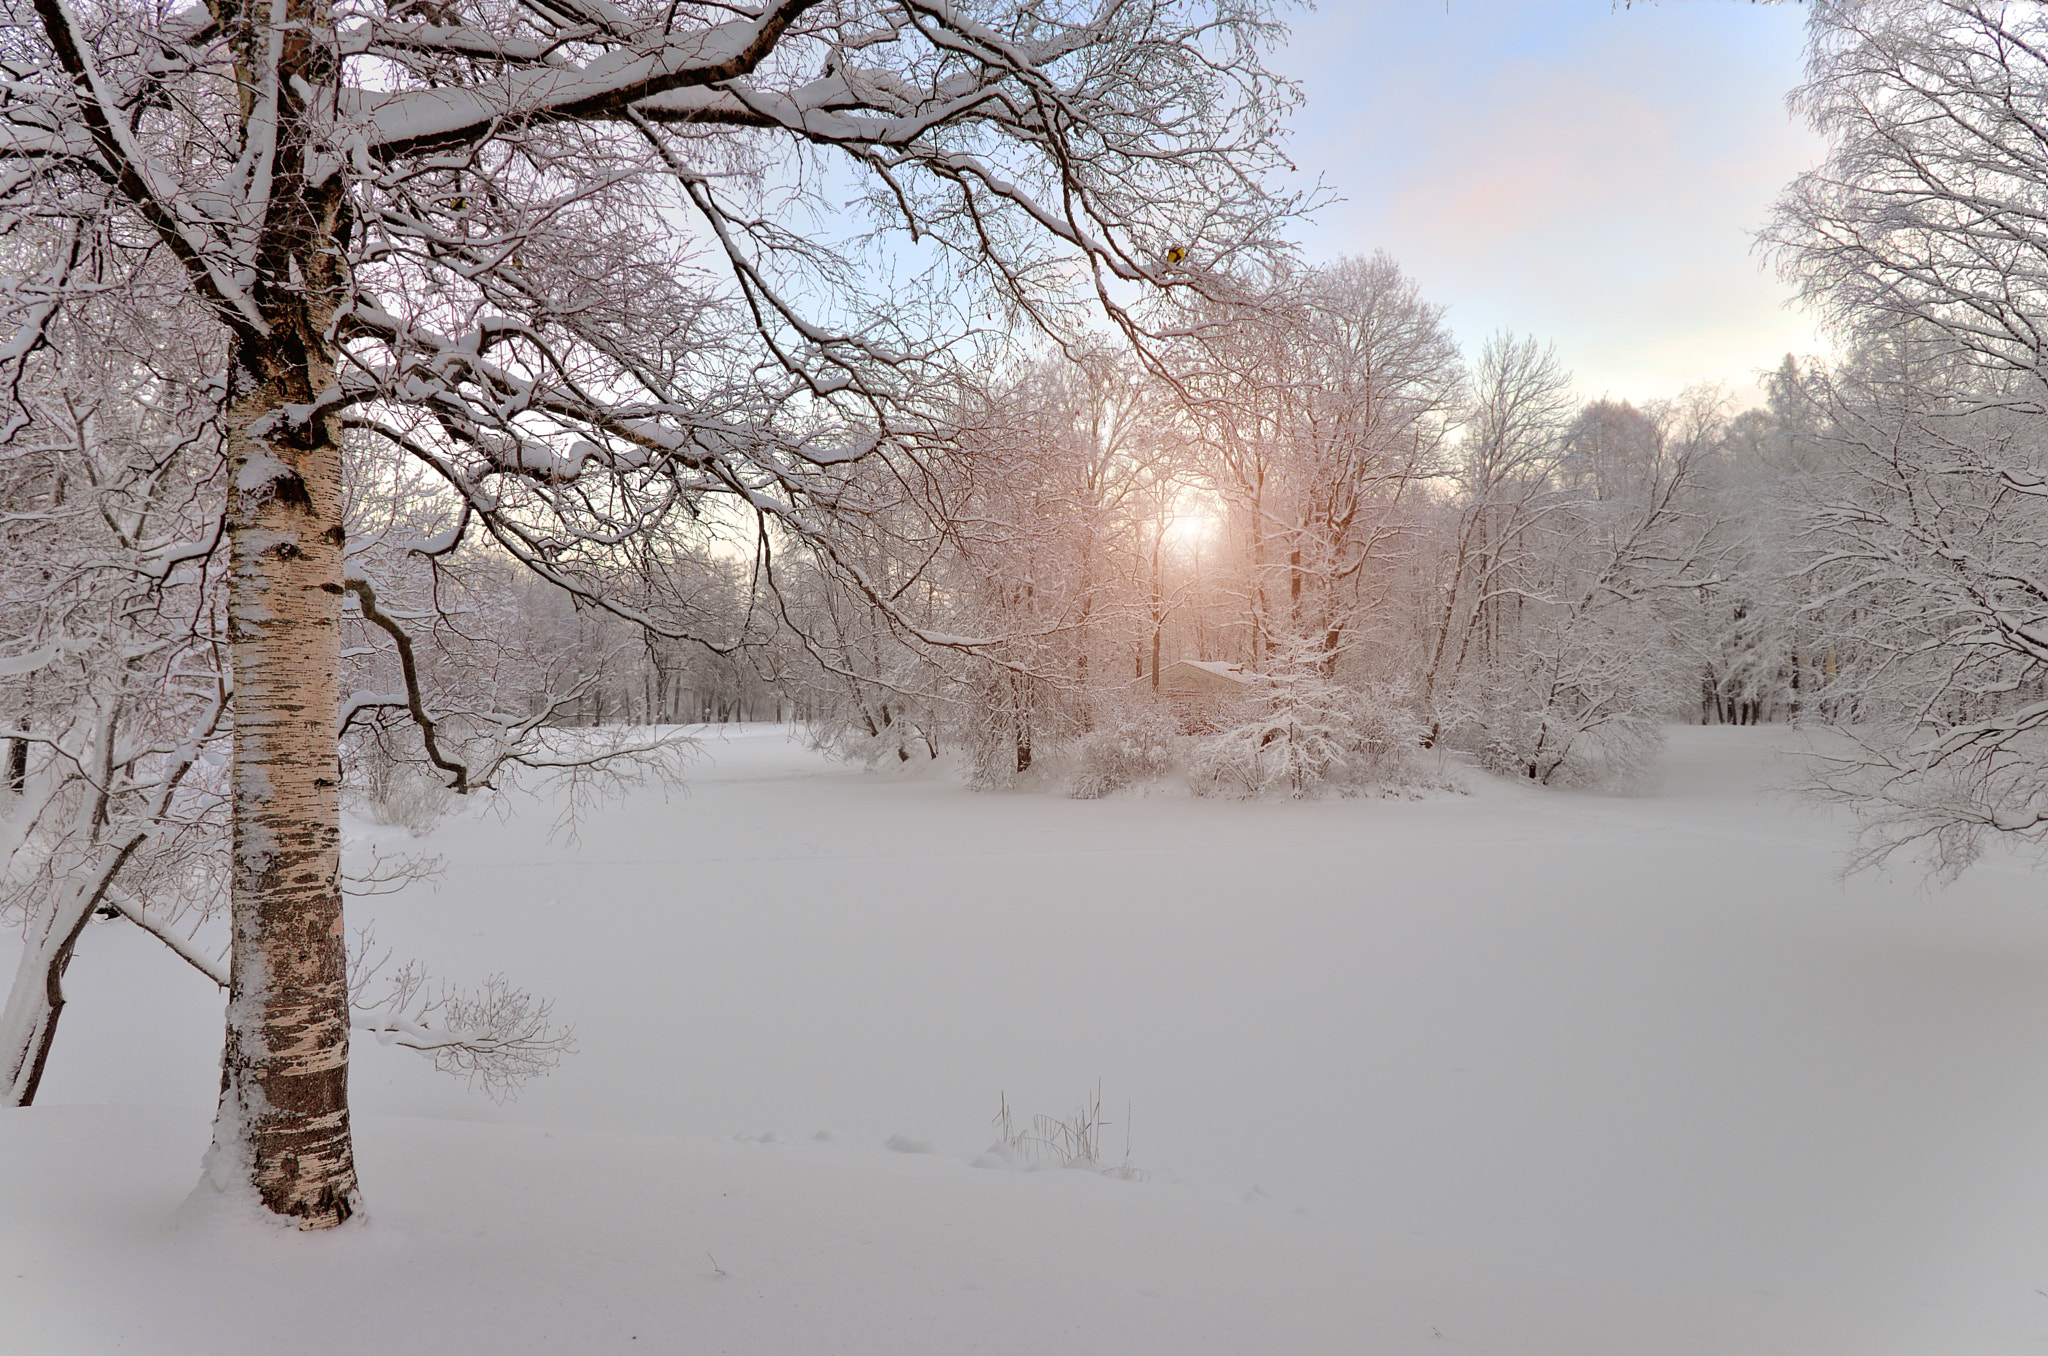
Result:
pixel 1590 176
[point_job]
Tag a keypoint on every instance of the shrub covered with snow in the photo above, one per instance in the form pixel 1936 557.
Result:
pixel 390 789
pixel 1128 747
pixel 1594 721
pixel 1304 732
pixel 1014 728
pixel 1617 750
pixel 878 732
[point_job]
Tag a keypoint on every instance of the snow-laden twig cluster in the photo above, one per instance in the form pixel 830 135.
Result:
pixel 495 1035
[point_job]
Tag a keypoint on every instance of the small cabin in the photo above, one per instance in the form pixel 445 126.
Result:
pixel 1201 691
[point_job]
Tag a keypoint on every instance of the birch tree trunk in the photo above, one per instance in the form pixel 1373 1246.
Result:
pixel 283 1122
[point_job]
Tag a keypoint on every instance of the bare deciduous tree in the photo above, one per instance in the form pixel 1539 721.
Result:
pixel 1323 418
pixel 1922 237
pixel 112 667
pixel 1503 482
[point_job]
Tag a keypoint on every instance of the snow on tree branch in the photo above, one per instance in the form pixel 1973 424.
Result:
pixel 496 1036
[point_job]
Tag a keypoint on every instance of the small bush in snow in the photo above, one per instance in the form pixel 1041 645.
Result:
pixel 1305 732
pixel 1617 751
pixel 1135 745
pixel 876 733
pixel 390 790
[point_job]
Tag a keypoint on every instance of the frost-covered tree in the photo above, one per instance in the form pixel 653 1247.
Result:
pixel 1298 731
pixel 1034 528
pixel 1502 485
pixel 112 489
pixel 1746 632
pixel 1063 481
pixel 110 666
pixel 446 676
pixel 1323 414
pixel 1926 523
pixel 1578 685
pixel 562 254
pixel 1921 236
pixel 1924 219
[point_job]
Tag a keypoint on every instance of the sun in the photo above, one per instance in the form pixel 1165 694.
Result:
pixel 1194 523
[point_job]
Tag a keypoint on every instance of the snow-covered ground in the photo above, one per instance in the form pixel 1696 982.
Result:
pixel 1514 1072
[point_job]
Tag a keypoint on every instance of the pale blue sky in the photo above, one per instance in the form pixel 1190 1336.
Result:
pixel 1564 168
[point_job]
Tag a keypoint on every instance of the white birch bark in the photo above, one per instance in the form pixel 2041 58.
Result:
pixel 283 1123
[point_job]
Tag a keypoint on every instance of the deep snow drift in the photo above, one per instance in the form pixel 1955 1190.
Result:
pixel 1512 1072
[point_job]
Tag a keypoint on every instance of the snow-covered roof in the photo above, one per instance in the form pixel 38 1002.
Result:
pixel 1234 672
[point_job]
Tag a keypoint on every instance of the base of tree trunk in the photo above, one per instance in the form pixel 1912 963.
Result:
pixel 303 1189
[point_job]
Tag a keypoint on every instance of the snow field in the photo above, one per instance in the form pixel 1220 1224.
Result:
pixel 1514 1072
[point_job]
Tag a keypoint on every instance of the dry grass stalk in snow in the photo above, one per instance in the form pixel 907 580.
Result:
pixel 1074 1141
